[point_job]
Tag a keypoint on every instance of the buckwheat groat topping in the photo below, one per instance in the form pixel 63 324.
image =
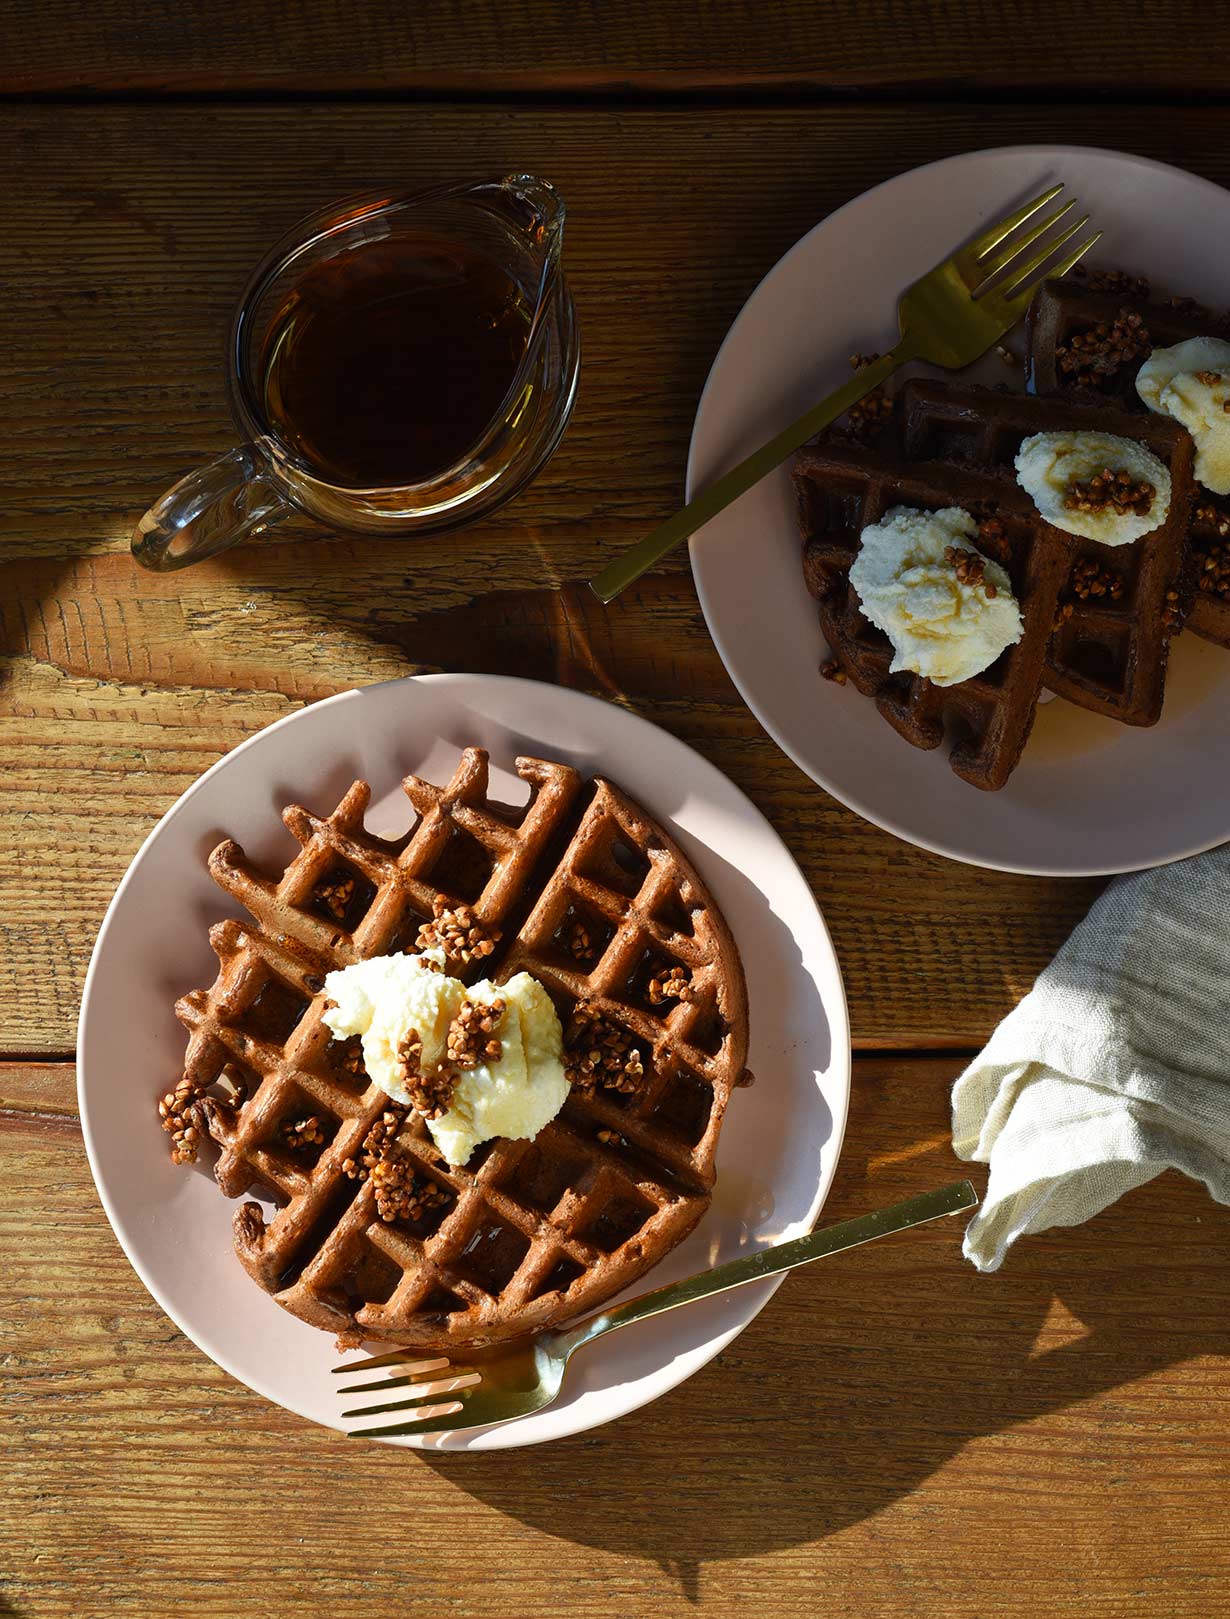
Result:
pixel 1092 357
pixel 179 1119
pixel 598 1051
pixel 674 985
pixel 970 568
pixel 458 931
pixel 472 1038
pixel 874 410
pixel 1110 491
pixel 429 1093
pixel 401 1192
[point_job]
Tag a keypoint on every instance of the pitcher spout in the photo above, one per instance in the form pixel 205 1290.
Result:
pixel 539 210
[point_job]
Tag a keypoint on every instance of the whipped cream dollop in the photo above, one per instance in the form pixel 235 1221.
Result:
pixel 390 1001
pixel 1050 466
pixel 1191 382
pixel 948 610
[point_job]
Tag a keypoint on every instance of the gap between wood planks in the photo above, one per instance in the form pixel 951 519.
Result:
pixel 666 91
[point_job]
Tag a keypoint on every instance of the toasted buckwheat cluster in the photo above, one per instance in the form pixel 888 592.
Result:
pixel 401 1193
pixel 180 1116
pixel 1116 281
pixel 1110 491
pixel 874 410
pixel 1091 357
pixel 458 931
pixel 430 1094
pixel 302 1134
pixel 335 895
pixel 1214 577
pixel 580 941
pixel 597 1051
pixel 471 1036
pixel 176 1111
pixel 970 568
pixel 674 985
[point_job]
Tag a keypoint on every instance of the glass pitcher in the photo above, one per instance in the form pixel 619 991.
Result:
pixel 515 223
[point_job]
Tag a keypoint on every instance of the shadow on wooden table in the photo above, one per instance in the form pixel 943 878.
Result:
pixel 861 1380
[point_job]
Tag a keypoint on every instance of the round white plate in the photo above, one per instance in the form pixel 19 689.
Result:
pixel 1090 796
pixel 778 1149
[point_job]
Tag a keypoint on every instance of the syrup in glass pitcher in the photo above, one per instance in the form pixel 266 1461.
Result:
pixel 397 364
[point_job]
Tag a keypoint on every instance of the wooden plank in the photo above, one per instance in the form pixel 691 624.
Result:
pixel 130 231
pixel 893 1435
pixel 553 46
pixel 45 1089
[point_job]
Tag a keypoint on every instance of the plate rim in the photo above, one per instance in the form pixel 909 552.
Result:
pixel 839 1073
pixel 852 800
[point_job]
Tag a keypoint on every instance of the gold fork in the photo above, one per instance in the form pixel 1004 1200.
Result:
pixel 511 1380
pixel 949 318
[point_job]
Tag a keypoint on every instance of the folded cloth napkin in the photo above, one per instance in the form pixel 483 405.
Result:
pixel 1115 1066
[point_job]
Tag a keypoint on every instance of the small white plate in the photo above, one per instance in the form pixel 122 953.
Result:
pixel 777 1152
pixel 1090 796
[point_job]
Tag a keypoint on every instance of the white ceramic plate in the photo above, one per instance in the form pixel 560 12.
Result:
pixel 1090 796
pixel 779 1146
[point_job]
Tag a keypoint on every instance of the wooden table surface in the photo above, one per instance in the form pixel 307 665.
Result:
pixel 894 1435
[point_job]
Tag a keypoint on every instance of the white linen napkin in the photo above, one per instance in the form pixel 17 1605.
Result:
pixel 1114 1067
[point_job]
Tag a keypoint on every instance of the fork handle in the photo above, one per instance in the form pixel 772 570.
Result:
pixel 625 570
pixel 782 1256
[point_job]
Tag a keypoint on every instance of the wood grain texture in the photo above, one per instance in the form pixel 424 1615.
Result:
pixel 45 1089
pixel 894 1435
pixel 129 234
pixel 558 45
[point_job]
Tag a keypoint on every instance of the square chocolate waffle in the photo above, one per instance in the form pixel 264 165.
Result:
pixel 842 488
pixel 1119 604
pixel 955 445
pixel 1086 343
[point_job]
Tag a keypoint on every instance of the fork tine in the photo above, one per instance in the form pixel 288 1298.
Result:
pixel 381 1383
pixel 1018 299
pixel 446 1423
pixel 1020 273
pixel 416 1397
pixel 992 264
pixel 395 1357
pixel 1068 260
pixel 994 235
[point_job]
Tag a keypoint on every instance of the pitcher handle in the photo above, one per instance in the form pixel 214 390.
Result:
pixel 212 508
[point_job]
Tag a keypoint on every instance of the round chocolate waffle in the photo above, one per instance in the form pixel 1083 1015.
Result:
pixel 375 1235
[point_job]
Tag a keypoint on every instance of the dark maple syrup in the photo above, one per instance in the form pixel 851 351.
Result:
pixel 387 363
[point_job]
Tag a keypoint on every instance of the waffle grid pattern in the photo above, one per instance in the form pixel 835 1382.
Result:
pixel 841 490
pixel 528 1233
pixel 955 445
pixel 657 919
pixel 1106 655
pixel 1063 309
